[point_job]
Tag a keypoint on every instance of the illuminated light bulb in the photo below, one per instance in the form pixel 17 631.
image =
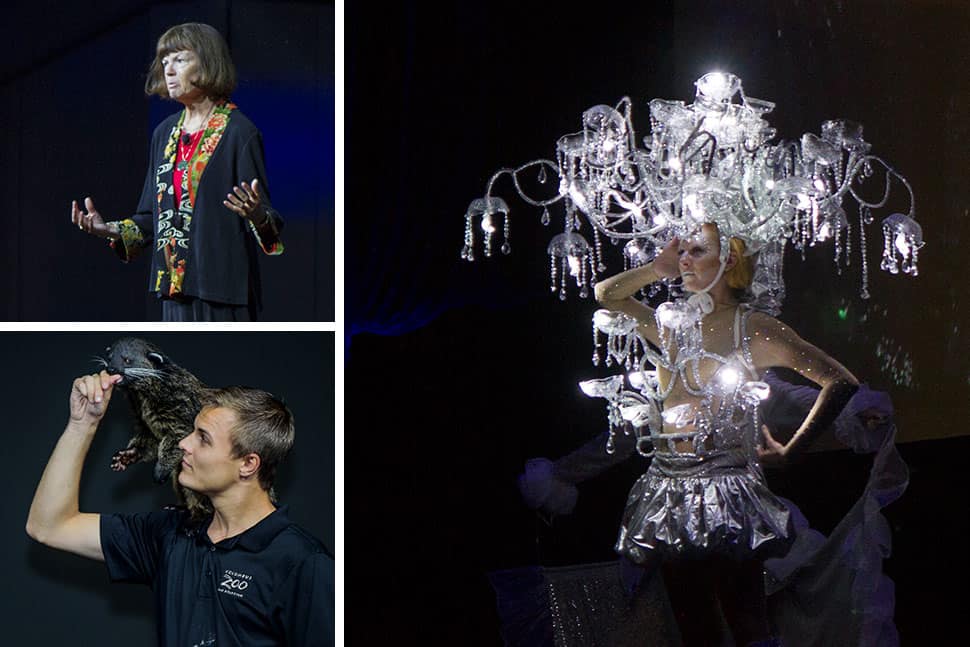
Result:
pixel 675 163
pixel 574 264
pixel 729 377
pixel 902 244
pixel 820 185
pixel 770 184
pixel 660 220
pixel 804 202
pixel 636 379
pixel 609 146
pixel 693 206
pixel 487 225
pixel 824 232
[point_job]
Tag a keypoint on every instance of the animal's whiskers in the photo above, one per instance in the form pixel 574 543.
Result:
pixel 141 372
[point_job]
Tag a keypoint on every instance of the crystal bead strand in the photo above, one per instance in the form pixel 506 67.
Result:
pixel 506 247
pixel 864 292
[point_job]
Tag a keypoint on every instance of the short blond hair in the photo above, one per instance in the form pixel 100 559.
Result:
pixel 739 277
pixel 217 74
pixel 264 426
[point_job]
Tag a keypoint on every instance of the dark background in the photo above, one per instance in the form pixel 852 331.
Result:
pixel 54 598
pixel 473 367
pixel 76 123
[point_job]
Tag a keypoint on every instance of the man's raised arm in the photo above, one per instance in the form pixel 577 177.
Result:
pixel 55 519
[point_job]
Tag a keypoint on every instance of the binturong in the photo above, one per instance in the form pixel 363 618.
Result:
pixel 165 399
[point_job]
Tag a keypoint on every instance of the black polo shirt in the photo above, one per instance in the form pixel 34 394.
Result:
pixel 271 585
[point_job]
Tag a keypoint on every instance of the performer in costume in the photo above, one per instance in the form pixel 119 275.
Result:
pixel 204 208
pixel 711 190
pixel 703 504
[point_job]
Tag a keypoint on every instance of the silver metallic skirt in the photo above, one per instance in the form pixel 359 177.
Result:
pixel 692 506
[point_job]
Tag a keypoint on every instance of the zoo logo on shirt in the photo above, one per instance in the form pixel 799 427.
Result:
pixel 233 583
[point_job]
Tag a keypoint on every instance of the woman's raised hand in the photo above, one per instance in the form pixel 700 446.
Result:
pixel 91 222
pixel 665 264
pixel 245 201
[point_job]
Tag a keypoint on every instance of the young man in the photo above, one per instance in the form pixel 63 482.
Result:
pixel 246 575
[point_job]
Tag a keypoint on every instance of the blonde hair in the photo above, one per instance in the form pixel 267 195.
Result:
pixel 217 74
pixel 264 426
pixel 739 277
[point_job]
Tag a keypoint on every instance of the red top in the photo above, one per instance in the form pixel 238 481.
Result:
pixel 184 154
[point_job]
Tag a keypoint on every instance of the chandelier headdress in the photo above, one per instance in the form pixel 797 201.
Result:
pixel 711 161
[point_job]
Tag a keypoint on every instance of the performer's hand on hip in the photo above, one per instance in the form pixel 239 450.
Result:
pixel 91 222
pixel 245 201
pixel 773 453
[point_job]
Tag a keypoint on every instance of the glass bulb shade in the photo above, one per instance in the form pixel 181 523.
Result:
pixel 820 151
pixel 612 322
pixel 718 86
pixel 567 244
pixel 487 206
pixel 898 223
pixel 844 134
pixel 604 387
pixel 671 314
pixel 637 415
pixel 680 416
pixel 759 391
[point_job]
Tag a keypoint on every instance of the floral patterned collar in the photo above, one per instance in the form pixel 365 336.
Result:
pixel 211 135
pixel 175 221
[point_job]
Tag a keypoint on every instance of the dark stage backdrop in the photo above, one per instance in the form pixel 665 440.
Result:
pixel 438 98
pixel 53 598
pixel 76 123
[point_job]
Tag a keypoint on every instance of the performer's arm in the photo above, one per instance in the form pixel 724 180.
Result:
pixel 616 292
pixel 774 344
pixel 55 518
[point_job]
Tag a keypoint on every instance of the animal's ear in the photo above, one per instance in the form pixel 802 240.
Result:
pixel 156 358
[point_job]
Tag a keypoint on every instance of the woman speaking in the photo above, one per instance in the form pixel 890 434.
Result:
pixel 205 206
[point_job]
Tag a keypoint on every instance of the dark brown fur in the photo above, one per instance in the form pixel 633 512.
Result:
pixel 165 399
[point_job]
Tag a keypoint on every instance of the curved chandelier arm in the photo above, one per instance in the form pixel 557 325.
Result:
pixel 701 139
pixel 514 172
pixel 890 173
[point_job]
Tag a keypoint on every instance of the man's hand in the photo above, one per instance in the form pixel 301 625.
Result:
pixel 90 396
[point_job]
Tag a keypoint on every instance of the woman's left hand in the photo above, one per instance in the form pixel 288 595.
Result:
pixel 245 201
pixel 773 454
